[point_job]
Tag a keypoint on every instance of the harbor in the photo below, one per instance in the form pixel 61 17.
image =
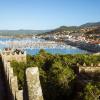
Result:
pixel 33 46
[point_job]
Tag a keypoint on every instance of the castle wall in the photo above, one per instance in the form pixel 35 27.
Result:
pixel 9 56
pixel 12 82
pixel 32 79
pixel 89 69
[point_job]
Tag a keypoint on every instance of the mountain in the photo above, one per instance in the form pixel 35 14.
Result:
pixel 21 32
pixel 91 24
pixel 70 28
pixel 60 30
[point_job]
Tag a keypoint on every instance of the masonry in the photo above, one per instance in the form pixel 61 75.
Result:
pixel 33 86
pixel 91 71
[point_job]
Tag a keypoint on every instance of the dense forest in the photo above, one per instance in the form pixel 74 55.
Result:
pixel 59 75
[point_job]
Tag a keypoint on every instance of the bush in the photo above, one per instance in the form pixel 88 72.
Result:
pixel 92 91
pixel 57 74
pixel 19 70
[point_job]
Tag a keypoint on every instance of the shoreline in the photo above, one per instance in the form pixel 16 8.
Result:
pixel 84 46
pixel 92 48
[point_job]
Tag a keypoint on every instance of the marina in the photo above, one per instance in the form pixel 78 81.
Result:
pixel 33 45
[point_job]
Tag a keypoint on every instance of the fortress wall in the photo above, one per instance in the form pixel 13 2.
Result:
pixel 87 69
pixel 32 79
pixel 14 56
pixel 12 82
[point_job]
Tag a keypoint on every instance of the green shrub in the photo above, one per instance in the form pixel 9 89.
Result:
pixel 57 75
pixel 92 91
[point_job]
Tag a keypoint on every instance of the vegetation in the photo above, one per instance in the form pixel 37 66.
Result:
pixel 96 24
pixel 19 69
pixel 92 91
pixel 59 77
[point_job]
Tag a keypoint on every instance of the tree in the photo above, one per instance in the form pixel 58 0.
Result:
pixel 61 78
pixel 92 91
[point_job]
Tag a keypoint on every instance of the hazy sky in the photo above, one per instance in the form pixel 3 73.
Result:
pixel 47 14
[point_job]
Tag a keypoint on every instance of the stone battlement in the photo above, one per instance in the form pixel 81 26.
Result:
pixel 89 69
pixel 11 54
pixel 86 68
pixel 33 86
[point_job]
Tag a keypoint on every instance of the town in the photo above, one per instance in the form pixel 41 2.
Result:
pixel 87 38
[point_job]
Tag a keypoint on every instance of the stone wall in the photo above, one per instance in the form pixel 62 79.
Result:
pixel 10 55
pixel 91 68
pixel 12 82
pixel 32 79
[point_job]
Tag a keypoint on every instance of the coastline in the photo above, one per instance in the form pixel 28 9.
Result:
pixel 84 46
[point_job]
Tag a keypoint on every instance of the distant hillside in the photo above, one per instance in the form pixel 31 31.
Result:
pixel 63 30
pixel 21 32
pixel 75 29
pixel 70 28
pixel 90 24
pixel 95 31
pixel 60 30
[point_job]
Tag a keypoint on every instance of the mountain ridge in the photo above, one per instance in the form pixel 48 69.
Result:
pixel 67 28
pixel 90 24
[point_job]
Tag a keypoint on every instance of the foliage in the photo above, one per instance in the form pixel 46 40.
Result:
pixel 57 74
pixel 19 69
pixel 61 78
pixel 92 91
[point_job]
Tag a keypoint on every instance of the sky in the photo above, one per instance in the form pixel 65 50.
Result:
pixel 47 14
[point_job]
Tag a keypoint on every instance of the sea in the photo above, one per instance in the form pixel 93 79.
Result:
pixel 63 49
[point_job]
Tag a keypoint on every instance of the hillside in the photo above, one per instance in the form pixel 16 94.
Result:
pixel 88 28
pixel 63 30
pixel 21 32
pixel 91 24
pixel 95 31
pixel 59 30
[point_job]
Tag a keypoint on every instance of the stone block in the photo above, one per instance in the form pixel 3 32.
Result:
pixel 14 86
pixel 19 95
pixel 33 83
